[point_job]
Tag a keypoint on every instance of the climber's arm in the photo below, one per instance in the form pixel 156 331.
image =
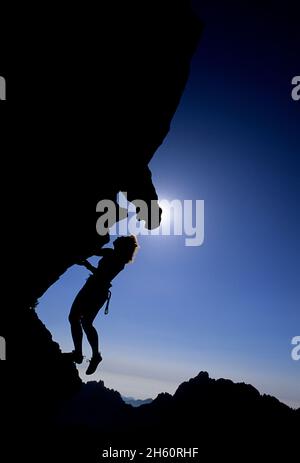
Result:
pixel 103 252
pixel 87 265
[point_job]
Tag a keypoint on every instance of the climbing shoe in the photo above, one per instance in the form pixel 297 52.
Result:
pixel 95 360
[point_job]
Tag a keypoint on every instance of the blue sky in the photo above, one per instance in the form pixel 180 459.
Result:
pixel 230 306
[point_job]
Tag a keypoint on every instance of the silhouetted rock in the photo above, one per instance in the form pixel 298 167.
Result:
pixel 101 103
pixel 202 413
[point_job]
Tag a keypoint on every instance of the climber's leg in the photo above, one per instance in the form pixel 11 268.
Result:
pixel 91 334
pixel 77 333
pixel 92 337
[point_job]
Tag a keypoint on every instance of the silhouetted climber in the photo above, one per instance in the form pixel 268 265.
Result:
pixel 95 293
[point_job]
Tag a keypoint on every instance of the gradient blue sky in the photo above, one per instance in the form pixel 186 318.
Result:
pixel 230 306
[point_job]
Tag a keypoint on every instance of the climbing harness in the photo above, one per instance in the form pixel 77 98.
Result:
pixel 107 302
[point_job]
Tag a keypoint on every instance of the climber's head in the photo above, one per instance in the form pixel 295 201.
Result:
pixel 126 246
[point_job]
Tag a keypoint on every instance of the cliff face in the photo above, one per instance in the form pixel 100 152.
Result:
pixel 103 86
pixel 91 99
pixel 101 103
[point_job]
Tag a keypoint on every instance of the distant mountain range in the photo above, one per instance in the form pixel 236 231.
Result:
pixel 136 402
